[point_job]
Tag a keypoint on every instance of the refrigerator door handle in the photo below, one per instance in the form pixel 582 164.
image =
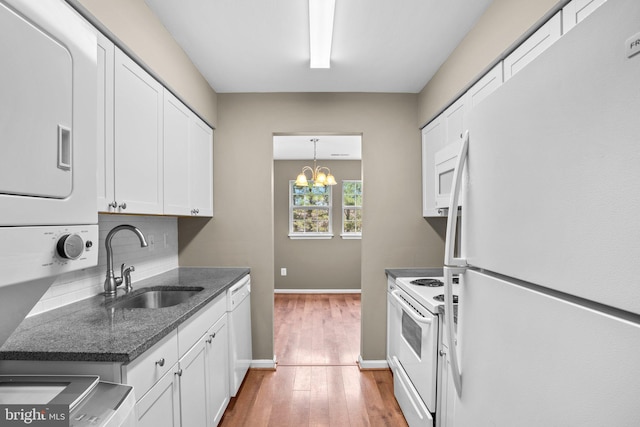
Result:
pixel 452 220
pixel 454 265
pixel 451 339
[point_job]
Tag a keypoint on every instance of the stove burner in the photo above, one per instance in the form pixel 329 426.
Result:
pixel 432 283
pixel 440 298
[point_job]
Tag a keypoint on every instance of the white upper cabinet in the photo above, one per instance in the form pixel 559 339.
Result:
pixel 176 156
pixel 432 141
pixel 576 11
pixel 484 87
pixel 188 166
pixel 138 154
pixel 453 119
pixel 201 168
pixel 105 147
pixel 537 43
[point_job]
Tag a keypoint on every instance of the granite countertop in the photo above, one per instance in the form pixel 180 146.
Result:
pixel 90 331
pixel 413 272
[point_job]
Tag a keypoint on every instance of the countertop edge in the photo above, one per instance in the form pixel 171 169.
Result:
pixel 132 352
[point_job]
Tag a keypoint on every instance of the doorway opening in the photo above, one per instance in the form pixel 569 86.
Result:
pixel 317 248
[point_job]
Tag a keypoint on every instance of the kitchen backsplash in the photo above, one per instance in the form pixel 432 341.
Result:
pixel 161 255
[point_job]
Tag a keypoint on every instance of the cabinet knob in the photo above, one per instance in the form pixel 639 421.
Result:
pixel 113 204
pixel 160 362
pixel 213 335
pixel 179 373
pixel 209 340
pixel 442 353
pixel 123 206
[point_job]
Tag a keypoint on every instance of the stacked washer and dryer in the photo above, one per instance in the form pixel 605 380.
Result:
pixel 49 220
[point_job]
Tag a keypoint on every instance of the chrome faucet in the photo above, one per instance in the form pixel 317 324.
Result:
pixel 111 283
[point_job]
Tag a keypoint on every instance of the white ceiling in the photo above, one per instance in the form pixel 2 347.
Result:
pixel 263 45
pixel 328 147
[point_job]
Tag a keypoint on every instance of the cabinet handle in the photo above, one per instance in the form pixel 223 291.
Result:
pixel 179 373
pixel 209 340
pixel 442 353
pixel 123 206
pixel 160 362
pixel 213 336
pixel 113 204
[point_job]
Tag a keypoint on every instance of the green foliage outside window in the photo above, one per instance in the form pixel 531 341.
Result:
pixel 352 207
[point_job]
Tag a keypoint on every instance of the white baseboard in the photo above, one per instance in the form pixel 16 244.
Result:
pixel 317 291
pixel 372 364
pixel 264 363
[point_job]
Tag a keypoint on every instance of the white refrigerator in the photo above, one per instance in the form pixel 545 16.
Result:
pixel 549 312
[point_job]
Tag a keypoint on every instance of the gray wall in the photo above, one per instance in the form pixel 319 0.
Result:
pixel 338 267
pixel 242 232
pixel 503 23
pixel 134 25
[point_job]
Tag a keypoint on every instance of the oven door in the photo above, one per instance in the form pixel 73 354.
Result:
pixel 416 346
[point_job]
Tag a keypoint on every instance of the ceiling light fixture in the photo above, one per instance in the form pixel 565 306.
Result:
pixel 318 177
pixel 320 32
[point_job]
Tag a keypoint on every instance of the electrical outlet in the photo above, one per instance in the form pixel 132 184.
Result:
pixel 283 271
pixel 151 241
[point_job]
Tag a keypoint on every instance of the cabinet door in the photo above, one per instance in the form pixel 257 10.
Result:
pixel 432 141
pixel 201 167
pixel 160 407
pixel 176 126
pixel 447 392
pixel 576 11
pixel 217 371
pixel 453 119
pixel 484 87
pixel 104 166
pixel 138 138
pixel 537 43
pixel 193 386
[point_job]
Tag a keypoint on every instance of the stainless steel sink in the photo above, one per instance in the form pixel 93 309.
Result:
pixel 157 297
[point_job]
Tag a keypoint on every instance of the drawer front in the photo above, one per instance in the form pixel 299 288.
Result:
pixel 190 331
pixel 146 370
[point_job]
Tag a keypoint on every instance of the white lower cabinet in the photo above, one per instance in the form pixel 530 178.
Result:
pixel 218 375
pixel 192 377
pixel 183 380
pixel 446 389
pixel 160 406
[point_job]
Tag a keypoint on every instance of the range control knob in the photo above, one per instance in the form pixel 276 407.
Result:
pixel 70 246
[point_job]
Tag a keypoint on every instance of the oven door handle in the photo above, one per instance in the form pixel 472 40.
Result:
pixel 408 309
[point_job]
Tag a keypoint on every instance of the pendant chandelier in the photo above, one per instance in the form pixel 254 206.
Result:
pixel 318 176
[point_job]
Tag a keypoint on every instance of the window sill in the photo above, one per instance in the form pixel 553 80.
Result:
pixel 352 236
pixel 310 236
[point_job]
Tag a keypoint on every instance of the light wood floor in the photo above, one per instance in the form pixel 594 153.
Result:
pixel 317 382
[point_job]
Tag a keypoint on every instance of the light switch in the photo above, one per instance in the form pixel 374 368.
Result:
pixel 283 271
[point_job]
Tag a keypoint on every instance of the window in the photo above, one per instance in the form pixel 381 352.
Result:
pixel 351 209
pixel 309 212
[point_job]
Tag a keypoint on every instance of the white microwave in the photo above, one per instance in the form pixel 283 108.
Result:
pixel 445 165
pixel 48 133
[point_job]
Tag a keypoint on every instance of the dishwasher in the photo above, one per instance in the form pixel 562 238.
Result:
pixel 239 317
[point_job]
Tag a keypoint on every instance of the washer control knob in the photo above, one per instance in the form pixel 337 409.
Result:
pixel 70 246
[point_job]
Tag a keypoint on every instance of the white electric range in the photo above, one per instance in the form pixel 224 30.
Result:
pixel 428 291
pixel 413 344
